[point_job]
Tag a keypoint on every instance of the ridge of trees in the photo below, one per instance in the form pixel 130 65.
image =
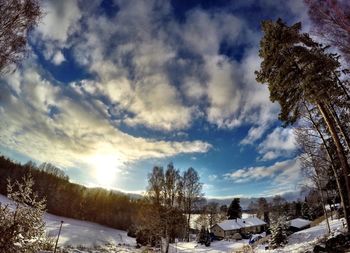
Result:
pixel 72 200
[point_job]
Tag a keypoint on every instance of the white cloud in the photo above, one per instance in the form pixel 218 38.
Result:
pixel 59 22
pixel 59 19
pixel 151 70
pixel 212 177
pixel 76 133
pixel 280 142
pixel 281 173
pixel 58 58
pixel 138 72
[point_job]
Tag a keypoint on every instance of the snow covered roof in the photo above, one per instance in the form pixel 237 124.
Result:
pixel 299 223
pixel 240 223
pixel 253 221
pixel 229 225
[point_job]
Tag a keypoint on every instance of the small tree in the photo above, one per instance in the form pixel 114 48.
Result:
pixel 279 232
pixel 16 19
pixel 235 210
pixel 22 228
pixel 202 235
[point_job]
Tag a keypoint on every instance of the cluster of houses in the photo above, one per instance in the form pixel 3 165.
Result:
pixel 251 225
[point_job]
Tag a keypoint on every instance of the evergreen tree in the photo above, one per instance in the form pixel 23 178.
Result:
pixel 234 211
pixel 305 211
pixel 279 232
pixel 207 238
pixel 263 210
pixel 299 71
pixel 202 235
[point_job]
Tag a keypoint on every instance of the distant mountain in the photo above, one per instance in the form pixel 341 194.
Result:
pixel 131 195
pixel 289 196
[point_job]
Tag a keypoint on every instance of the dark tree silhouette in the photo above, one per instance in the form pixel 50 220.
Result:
pixel 234 211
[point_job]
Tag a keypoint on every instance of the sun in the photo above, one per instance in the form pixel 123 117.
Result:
pixel 105 169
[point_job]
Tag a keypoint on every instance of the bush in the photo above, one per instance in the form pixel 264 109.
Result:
pixel 22 229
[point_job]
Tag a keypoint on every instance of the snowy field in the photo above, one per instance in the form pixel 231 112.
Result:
pixel 215 247
pixel 83 234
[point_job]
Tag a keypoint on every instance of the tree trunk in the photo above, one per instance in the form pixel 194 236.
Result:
pixel 340 189
pixel 188 226
pixel 330 205
pixel 322 199
pixel 340 127
pixel 340 151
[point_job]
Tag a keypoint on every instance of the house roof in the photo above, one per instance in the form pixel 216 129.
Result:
pixel 299 223
pixel 240 223
pixel 253 221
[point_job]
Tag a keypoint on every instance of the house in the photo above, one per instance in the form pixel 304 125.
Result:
pixel 227 228
pixel 298 224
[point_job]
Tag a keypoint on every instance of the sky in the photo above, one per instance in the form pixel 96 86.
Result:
pixel 110 89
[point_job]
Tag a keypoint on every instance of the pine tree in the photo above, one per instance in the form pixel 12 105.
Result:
pixel 202 235
pixel 305 211
pixel 279 232
pixel 299 71
pixel 235 210
pixel 22 229
pixel 207 238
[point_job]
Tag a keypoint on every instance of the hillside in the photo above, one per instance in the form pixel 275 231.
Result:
pixel 84 234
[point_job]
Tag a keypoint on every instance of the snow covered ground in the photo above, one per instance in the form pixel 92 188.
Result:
pixel 83 234
pixel 298 242
pixel 215 247
pixel 306 239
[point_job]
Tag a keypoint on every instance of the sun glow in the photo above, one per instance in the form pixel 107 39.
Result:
pixel 105 169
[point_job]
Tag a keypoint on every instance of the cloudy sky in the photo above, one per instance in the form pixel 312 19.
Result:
pixel 111 88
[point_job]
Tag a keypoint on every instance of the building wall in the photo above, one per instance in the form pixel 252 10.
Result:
pixel 218 231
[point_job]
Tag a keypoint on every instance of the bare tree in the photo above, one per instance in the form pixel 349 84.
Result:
pixel 17 18
pixel 331 19
pixel 192 193
pixel 314 164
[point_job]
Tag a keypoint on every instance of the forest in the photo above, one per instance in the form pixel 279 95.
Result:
pixel 71 200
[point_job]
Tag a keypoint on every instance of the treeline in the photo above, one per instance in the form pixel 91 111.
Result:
pixel 72 200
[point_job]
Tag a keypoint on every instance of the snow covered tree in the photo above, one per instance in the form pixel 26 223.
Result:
pixel 279 232
pixel 22 228
pixel 234 211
